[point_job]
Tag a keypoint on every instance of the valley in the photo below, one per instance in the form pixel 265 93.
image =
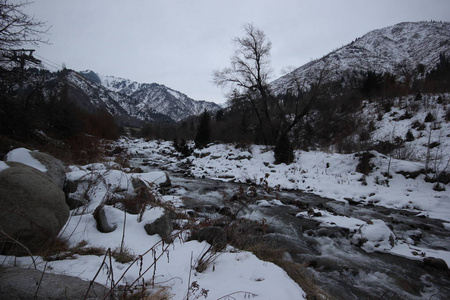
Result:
pixel 329 182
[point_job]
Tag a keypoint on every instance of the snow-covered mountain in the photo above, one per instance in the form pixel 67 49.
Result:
pixel 138 99
pixel 91 96
pixel 396 49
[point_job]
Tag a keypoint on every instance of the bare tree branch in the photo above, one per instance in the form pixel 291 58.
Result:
pixel 18 28
pixel 249 75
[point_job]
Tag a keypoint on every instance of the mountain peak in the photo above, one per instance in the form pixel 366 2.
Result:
pixel 139 98
pixel 91 75
pixel 391 49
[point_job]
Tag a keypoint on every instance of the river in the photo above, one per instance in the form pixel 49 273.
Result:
pixel 335 264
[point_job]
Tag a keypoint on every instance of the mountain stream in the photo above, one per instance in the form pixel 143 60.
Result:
pixel 336 265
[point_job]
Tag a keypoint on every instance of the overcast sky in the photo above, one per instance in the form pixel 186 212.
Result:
pixel 179 43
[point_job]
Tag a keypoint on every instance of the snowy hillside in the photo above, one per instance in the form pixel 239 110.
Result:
pixel 141 97
pixel 90 96
pixel 395 49
pixel 95 97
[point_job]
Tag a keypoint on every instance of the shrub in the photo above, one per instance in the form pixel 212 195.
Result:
pixel 439 187
pixel 409 136
pixel 364 165
pixel 418 97
pixel 283 151
pixel 416 124
pixel 182 147
pixel 429 118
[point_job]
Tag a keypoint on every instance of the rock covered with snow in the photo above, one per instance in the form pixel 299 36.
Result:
pixel 159 178
pixel 41 161
pixel 374 236
pixel 93 184
pixel 33 208
pixel 105 219
pixel 162 225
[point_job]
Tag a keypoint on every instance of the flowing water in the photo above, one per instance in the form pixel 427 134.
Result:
pixel 337 266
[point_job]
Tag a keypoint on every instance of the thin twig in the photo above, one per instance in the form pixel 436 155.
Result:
pixel 249 294
pixel 98 272
pixel 20 244
pixel 111 270
pixel 189 280
pixel 40 281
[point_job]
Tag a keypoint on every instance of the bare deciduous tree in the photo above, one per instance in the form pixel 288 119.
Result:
pixel 249 75
pixel 18 28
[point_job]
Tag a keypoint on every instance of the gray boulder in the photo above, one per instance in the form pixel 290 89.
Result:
pixel 18 283
pixel 55 168
pixel 75 191
pixel 32 209
pixel 104 222
pixel 162 226
pixel 214 235
pixel 437 263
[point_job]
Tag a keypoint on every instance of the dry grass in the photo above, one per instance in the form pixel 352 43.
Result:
pixel 297 272
pixel 59 250
pixel 123 255
pixel 142 293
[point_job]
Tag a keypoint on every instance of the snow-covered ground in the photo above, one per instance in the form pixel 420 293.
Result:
pixel 238 273
pixel 329 175
pixel 232 274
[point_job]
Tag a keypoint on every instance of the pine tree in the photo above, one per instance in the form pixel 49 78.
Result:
pixel 202 137
pixel 283 151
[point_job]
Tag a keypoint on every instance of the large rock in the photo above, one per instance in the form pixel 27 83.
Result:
pixel 105 222
pixel 162 226
pixel 55 168
pixel 374 236
pixel 18 283
pixel 437 263
pixel 159 178
pixel 51 166
pixel 32 209
pixel 214 235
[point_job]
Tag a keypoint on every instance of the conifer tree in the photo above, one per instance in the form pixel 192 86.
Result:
pixel 203 135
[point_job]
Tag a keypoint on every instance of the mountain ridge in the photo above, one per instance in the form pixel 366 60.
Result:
pixel 393 49
pixel 141 97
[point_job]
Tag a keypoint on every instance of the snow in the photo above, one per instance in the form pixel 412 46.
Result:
pixel 239 274
pixel 265 203
pixel 23 155
pixel 3 166
pixel 329 220
pixel 378 235
pixel 231 272
pixel 330 175
pixel 418 253
pixel 154 177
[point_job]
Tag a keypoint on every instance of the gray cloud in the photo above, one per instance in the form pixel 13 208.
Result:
pixel 180 43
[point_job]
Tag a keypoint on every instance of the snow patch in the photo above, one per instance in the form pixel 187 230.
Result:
pixel 23 155
pixel 3 166
pixel 375 236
